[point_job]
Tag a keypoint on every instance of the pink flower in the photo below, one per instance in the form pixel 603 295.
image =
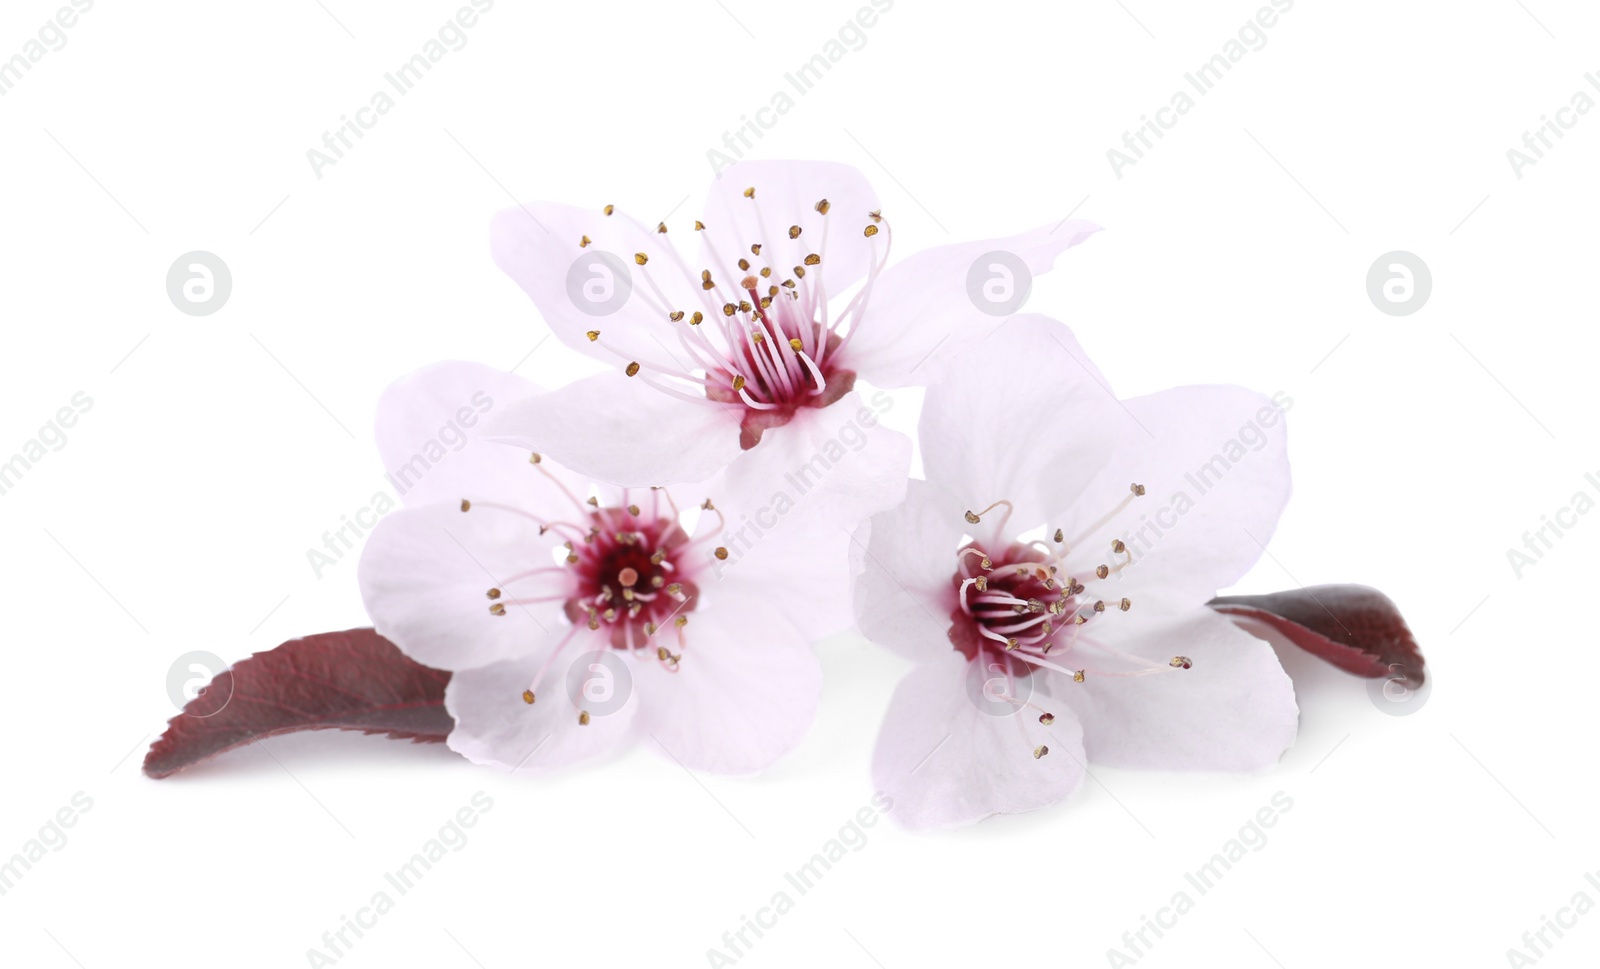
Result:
pixel 1050 579
pixel 574 616
pixel 745 354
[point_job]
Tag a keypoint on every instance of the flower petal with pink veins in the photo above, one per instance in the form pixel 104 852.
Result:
pixel 904 594
pixel 745 692
pixel 1234 709
pixel 429 428
pixel 1214 463
pixel 1025 419
pixel 425 574
pixel 622 431
pixel 600 286
pixel 497 727
pixel 835 466
pixel 945 762
pixel 921 305
pixel 786 194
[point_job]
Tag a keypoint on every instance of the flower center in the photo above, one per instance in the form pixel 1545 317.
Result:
pixel 1018 610
pixel 626 575
pixel 761 337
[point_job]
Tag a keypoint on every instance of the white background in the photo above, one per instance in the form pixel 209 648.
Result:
pixel 219 449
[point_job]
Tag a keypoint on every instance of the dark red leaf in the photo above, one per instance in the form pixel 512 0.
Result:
pixel 351 680
pixel 1357 629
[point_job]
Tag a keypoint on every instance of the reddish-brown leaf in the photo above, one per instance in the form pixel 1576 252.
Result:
pixel 351 680
pixel 1357 629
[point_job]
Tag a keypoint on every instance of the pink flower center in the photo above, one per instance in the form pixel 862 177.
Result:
pixel 762 337
pixel 626 576
pixel 627 571
pixel 1017 610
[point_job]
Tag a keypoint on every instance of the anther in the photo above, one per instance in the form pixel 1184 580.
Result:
pixel 813 259
pixel 1047 718
pixel 498 609
pixel 527 696
pixel 721 553
pixel 1125 605
pixel 1099 605
pixel 870 231
pixel 794 232
pixel 1102 571
pixel 823 206
pixel 583 243
pixel 750 192
pixel 972 518
pixel 493 593
pixel 632 369
pixel 755 249
pixel 699 226
pixel 593 335
pixel 1040 751
pixel 609 209
pixel 661 227
pixel 1077 677
pixel 1180 662
pixel 466 505
pixel 583 718
pixel 535 458
pixel 681 621
pixel 696 318
pixel 675 315
pixel 1138 489
pixel 1118 546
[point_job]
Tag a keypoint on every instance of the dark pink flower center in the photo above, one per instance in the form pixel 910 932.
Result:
pixel 627 578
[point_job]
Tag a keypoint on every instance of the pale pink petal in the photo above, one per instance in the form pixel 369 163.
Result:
pixel 1215 468
pixel 745 692
pixel 1025 419
pixel 796 568
pixel 619 430
pixel 425 574
pixel 835 465
pixel 430 426
pixel 904 594
pixel 944 762
pixel 1234 709
pixel 786 194
pixel 923 304
pixel 600 286
pixel 496 726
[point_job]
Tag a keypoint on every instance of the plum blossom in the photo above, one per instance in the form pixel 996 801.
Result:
pixel 1050 576
pixel 746 355
pixel 575 615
